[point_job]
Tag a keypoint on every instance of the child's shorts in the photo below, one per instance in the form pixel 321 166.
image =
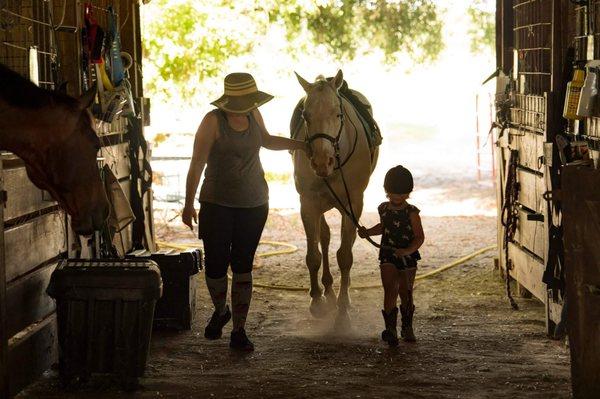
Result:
pixel 404 263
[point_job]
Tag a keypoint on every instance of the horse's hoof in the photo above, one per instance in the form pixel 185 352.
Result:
pixel 331 301
pixel 344 304
pixel 342 323
pixel 318 307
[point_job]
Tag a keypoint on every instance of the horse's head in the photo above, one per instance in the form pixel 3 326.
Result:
pixel 66 165
pixel 323 116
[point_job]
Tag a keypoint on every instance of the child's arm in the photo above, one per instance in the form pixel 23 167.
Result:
pixel 373 231
pixel 415 222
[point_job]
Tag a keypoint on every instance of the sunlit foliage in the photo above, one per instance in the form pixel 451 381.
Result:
pixel 187 41
pixel 482 30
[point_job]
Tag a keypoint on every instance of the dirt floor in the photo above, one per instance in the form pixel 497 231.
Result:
pixel 470 343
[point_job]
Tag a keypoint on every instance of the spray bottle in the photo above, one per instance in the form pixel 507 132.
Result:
pixel 573 94
pixel 589 92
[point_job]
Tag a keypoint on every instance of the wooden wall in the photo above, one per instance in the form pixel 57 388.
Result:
pixel 36 232
pixel 34 240
pixel 532 32
pixel 547 37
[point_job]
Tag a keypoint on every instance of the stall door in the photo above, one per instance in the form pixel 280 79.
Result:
pixel 581 220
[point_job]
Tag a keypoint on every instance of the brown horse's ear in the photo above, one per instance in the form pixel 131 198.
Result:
pixel 62 88
pixel 305 85
pixel 338 80
pixel 87 98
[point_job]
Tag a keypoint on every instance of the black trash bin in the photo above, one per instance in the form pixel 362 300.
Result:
pixel 177 306
pixel 104 311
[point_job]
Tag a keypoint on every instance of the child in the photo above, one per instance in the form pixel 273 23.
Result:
pixel 402 236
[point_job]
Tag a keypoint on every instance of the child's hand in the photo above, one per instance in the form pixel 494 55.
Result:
pixel 362 232
pixel 400 252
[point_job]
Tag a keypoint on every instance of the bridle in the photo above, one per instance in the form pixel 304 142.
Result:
pixel 335 141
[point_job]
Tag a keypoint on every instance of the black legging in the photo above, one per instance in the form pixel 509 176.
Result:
pixel 230 236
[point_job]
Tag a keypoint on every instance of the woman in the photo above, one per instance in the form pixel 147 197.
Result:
pixel 233 198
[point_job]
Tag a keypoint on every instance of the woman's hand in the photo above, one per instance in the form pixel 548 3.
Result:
pixel 400 252
pixel 362 232
pixel 189 214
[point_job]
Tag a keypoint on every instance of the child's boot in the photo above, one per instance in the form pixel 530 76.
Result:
pixel 407 332
pixel 390 334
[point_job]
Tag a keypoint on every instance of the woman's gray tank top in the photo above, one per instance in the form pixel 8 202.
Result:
pixel 234 176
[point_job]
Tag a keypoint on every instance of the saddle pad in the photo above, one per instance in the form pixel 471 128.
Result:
pixel 363 111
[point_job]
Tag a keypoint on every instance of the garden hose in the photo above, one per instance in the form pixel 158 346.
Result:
pixel 289 248
pixel 292 248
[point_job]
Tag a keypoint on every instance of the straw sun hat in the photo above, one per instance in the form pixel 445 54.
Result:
pixel 241 94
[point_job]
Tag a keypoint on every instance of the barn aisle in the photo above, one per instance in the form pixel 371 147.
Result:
pixel 470 343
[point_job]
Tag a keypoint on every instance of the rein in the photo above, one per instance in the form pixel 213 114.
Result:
pixel 336 145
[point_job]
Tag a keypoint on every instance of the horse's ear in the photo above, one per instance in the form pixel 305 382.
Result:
pixel 338 80
pixel 305 85
pixel 87 98
pixel 62 88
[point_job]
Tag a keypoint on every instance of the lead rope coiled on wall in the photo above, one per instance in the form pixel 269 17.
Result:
pixel 510 217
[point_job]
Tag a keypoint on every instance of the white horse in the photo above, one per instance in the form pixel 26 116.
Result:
pixel 339 151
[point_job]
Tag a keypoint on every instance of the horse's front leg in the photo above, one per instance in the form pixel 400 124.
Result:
pixel 327 278
pixel 345 259
pixel 311 220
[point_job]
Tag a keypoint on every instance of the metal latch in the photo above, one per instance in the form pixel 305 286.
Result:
pixel 536 217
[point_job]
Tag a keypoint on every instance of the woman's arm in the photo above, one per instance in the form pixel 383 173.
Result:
pixel 203 142
pixel 276 143
pixel 373 231
pixel 415 222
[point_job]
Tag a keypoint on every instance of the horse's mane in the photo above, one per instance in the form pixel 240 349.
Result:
pixel 321 82
pixel 22 93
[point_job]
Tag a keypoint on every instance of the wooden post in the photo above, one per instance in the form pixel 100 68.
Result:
pixel 131 42
pixel 3 334
pixel 504 35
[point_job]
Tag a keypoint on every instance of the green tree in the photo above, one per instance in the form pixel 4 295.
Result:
pixel 483 26
pixel 189 40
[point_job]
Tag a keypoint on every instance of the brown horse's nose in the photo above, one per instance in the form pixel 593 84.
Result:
pixel 324 168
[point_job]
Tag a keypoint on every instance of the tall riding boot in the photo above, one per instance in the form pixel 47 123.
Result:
pixel 390 334
pixel 407 332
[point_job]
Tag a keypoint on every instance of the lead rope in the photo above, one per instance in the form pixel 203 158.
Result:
pixel 509 218
pixel 350 213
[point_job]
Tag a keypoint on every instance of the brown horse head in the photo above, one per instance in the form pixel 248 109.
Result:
pixel 323 117
pixel 54 135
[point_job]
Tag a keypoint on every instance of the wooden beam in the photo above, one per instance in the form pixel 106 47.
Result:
pixel 45 235
pixel 531 234
pixel 499 37
pixel 28 301
pixel 23 197
pixel 507 36
pixel 530 146
pixel 528 271
pixel 531 190
pixel 31 353
pixel 4 389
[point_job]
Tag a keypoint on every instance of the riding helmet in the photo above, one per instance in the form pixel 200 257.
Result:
pixel 398 180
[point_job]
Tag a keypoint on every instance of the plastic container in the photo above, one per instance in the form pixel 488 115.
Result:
pixel 177 307
pixel 104 311
pixel 573 94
